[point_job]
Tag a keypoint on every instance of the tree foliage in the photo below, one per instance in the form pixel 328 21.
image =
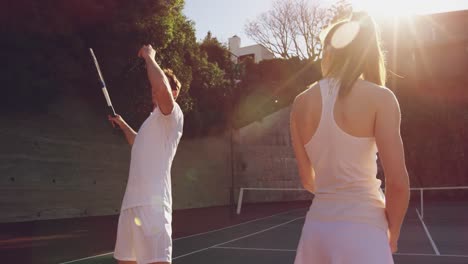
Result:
pixel 217 53
pixel 212 87
pixel 291 27
pixel 271 85
pixel 44 46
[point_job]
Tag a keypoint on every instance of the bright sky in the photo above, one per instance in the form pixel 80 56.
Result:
pixel 225 18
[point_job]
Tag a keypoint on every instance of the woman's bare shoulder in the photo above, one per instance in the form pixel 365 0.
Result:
pixel 375 88
pixel 376 92
pixel 312 91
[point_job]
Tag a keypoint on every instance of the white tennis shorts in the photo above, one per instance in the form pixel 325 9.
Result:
pixel 144 235
pixel 343 243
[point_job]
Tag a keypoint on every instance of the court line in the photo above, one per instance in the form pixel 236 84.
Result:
pixel 198 234
pixel 430 255
pixel 239 238
pixel 436 250
pixel 243 223
pixel 91 257
pixel 258 249
pixel 293 250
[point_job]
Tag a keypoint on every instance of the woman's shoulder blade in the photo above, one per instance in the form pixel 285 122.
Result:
pixel 311 90
pixel 307 100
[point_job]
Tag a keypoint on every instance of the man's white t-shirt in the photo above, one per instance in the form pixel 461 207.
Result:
pixel 154 148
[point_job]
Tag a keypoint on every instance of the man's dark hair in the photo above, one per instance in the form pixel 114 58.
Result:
pixel 173 81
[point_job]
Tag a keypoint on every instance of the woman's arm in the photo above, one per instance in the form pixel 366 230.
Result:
pixel 305 169
pixel 392 156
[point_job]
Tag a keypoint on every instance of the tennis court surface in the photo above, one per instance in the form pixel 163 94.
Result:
pixel 439 235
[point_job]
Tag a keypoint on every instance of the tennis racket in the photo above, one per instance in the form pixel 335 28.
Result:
pixel 103 83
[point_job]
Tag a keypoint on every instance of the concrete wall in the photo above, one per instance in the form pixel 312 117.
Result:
pixel 201 173
pixel 70 163
pixel 65 163
pixel 264 157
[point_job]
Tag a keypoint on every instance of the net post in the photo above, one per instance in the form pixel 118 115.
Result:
pixel 239 201
pixel 422 202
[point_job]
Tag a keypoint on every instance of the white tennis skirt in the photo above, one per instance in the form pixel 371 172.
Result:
pixel 339 242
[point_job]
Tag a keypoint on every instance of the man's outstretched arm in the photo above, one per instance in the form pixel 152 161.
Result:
pixel 160 86
pixel 129 133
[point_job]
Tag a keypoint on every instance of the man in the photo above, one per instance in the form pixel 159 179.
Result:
pixel 144 230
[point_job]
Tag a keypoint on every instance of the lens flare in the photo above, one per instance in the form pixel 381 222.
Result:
pixel 137 221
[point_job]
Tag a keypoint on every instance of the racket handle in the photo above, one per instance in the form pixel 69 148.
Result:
pixel 111 111
pixel 113 114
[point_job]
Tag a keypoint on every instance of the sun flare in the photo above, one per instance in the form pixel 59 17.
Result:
pixel 394 8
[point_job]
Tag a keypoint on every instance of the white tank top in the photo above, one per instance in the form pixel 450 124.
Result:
pixel 345 170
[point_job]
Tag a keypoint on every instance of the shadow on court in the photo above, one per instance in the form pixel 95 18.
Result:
pixel 439 237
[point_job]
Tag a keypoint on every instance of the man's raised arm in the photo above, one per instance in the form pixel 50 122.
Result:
pixel 160 86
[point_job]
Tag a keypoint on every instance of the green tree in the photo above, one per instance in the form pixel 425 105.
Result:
pixel 271 85
pixel 211 88
pixel 45 46
pixel 217 53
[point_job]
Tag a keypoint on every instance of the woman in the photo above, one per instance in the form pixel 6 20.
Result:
pixel 337 126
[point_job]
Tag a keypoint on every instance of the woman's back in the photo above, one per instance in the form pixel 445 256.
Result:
pixel 339 140
pixel 353 114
